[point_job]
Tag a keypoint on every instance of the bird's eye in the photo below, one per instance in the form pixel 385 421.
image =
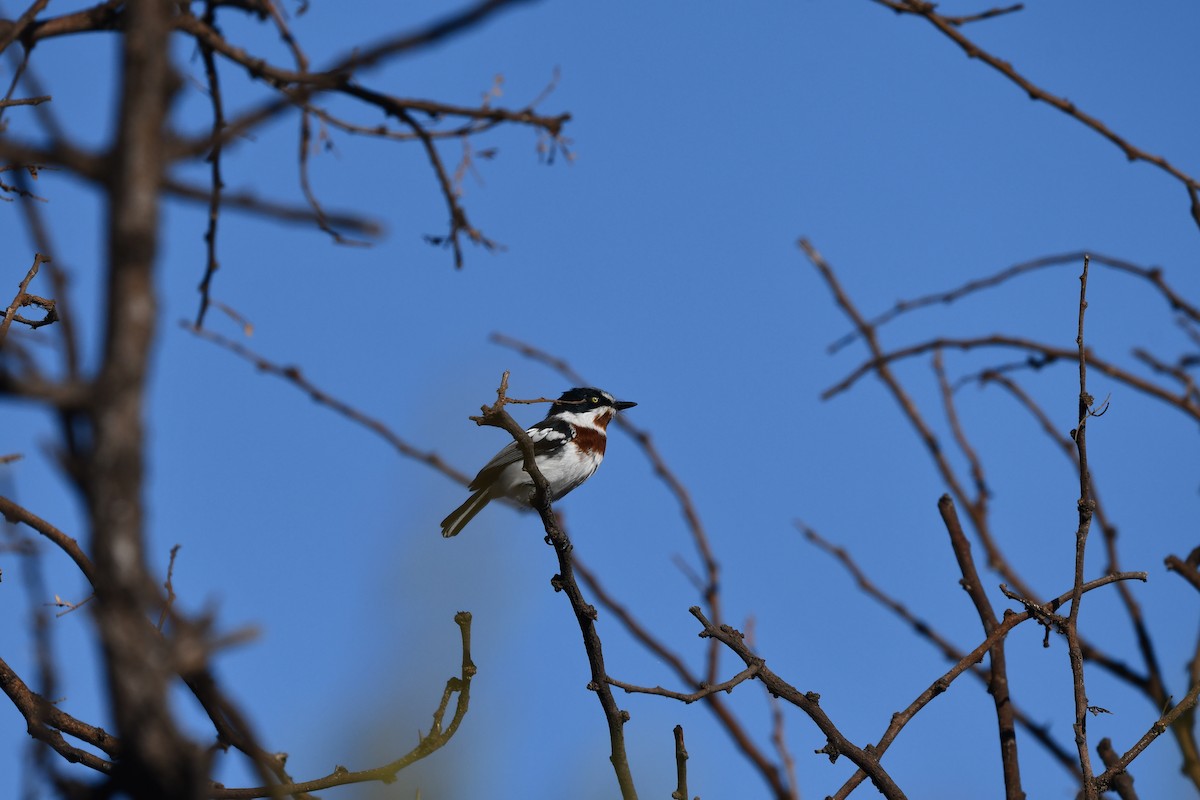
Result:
pixel 595 399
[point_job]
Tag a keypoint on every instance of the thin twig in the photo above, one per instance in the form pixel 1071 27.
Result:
pixel 216 183
pixel 169 585
pixel 23 298
pixel 947 26
pixel 437 737
pixel 688 698
pixel 1186 569
pixel 1086 509
pixel 293 375
pixel 1153 275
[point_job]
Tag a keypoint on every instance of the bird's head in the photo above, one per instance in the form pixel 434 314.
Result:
pixel 589 406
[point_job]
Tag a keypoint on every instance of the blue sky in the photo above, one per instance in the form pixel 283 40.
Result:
pixel 661 263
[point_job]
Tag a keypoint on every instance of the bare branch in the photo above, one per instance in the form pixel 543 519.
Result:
pixel 1040 732
pixel 47 723
pixel 157 758
pixel 18 514
pixel 216 183
pixel 681 757
pixel 25 101
pixel 1121 783
pixel 12 31
pixel 1045 352
pixel 939 686
pixel 1152 275
pixel 292 374
pixel 736 730
pixel 949 28
pixel 1186 568
pixel 1104 780
pixel 1086 510
pixel 836 743
pixel 439 734
pixel 998 678
pixel 564 581
pixel 23 298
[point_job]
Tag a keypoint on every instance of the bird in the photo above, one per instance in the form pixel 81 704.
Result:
pixel 568 445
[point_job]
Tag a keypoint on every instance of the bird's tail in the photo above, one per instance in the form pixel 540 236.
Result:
pixel 459 517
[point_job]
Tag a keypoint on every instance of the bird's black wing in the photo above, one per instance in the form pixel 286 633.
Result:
pixel 547 435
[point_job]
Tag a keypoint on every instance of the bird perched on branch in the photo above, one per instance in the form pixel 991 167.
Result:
pixel 568 445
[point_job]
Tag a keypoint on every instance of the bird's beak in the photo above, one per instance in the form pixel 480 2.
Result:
pixel 621 405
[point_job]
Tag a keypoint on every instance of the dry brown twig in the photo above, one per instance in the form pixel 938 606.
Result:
pixel 294 375
pixel 688 698
pixel 1186 568
pixel 216 182
pixel 1152 275
pixel 1086 509
pixel 294 88
pixel 1047 352
pixel 769 771
pixel 939 686
pixel 997 658
pixel 23 298
pixel 949 26
pixel 866 759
